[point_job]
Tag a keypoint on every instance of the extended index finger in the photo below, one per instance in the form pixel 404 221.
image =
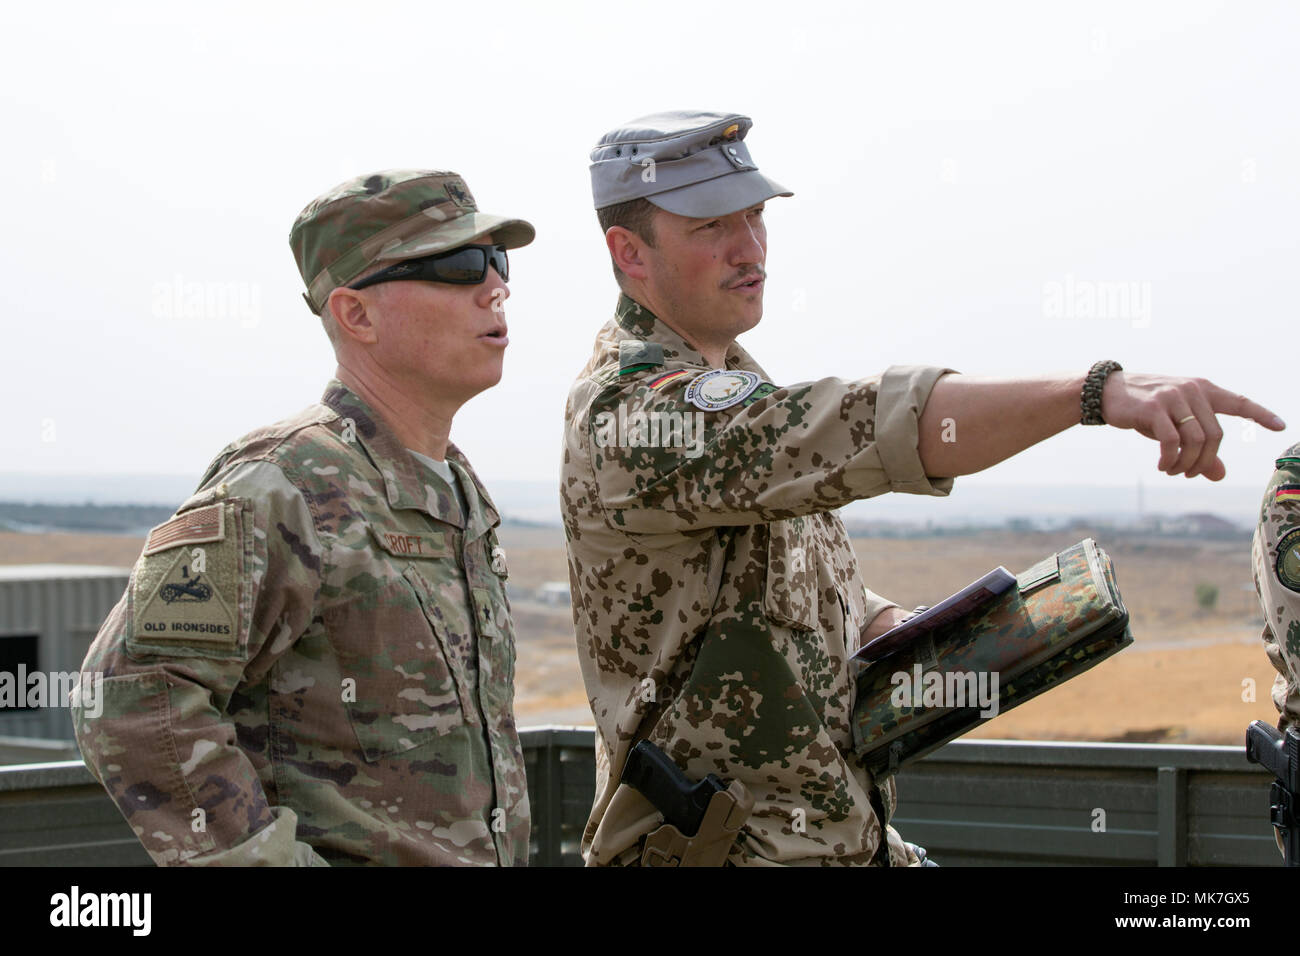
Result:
pixel 1232 403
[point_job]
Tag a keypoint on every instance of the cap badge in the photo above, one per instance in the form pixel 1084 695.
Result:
pixel 459 194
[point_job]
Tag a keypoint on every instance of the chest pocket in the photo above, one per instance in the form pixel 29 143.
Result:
pixel 791 582
pixel 403 649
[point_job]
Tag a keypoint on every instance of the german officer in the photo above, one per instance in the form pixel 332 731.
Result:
pixel 716 596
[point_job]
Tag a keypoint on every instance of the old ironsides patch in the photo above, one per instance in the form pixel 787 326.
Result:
pixel 185 590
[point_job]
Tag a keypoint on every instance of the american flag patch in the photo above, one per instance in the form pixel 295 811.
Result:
pixel 669 377
pixel 192 527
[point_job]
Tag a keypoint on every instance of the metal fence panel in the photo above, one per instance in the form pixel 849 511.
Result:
pixel 973 803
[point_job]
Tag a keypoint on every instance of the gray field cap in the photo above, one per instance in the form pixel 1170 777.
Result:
pixel 689 162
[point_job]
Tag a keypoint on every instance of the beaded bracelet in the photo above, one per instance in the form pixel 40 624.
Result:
pixel 1092 386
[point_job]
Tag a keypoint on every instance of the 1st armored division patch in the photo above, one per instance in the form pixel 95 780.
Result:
pixel 185 589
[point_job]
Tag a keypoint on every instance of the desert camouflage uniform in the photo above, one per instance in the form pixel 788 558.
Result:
pixel 717 598
pixel 318 655
pixel 1277 582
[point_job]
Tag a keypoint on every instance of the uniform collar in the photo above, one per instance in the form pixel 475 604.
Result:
pixel 639 322
pixel 407 484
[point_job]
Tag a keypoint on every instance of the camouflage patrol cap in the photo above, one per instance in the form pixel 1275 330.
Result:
pixel 387 216
pixel 689 162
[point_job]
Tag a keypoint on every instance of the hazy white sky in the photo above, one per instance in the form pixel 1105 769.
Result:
pixel 1007 189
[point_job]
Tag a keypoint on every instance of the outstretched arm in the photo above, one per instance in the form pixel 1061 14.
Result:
pixel 970 424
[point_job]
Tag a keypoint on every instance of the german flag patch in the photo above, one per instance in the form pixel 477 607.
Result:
pixel 663 381
pixel 1287 493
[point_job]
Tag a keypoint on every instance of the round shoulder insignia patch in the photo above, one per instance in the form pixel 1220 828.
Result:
pixel 721 388
pixel 1288 560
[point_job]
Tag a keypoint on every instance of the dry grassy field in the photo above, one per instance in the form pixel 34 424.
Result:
pixel 1182 681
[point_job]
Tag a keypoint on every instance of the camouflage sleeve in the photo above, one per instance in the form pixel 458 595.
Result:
pixel 219 592
pixel 1275 555
pixel 662 464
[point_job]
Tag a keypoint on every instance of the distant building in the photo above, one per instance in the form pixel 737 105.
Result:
pixel 1208 525
pixel 1197 525
pixel 555 593
pixel 49 614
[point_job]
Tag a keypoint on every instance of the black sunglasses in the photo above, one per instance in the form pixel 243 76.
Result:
pixel 465 265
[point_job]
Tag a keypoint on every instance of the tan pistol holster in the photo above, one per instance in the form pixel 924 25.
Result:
pixel 726 814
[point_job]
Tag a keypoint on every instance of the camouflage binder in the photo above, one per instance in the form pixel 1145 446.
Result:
pixel 1064 616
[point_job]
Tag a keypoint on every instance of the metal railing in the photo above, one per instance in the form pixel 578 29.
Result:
pixel 982 802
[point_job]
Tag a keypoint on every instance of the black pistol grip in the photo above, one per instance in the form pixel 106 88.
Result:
pixel 651 772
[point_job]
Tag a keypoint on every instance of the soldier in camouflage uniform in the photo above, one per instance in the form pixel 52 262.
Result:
pixel 716 596
pixel 314 661
pixel 1275 553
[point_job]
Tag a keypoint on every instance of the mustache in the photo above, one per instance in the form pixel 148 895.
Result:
pixel 746 275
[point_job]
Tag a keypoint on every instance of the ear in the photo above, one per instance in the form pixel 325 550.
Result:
pixel 628 252
pixel 354 320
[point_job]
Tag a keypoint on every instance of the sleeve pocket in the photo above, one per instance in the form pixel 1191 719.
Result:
pixel 791 586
